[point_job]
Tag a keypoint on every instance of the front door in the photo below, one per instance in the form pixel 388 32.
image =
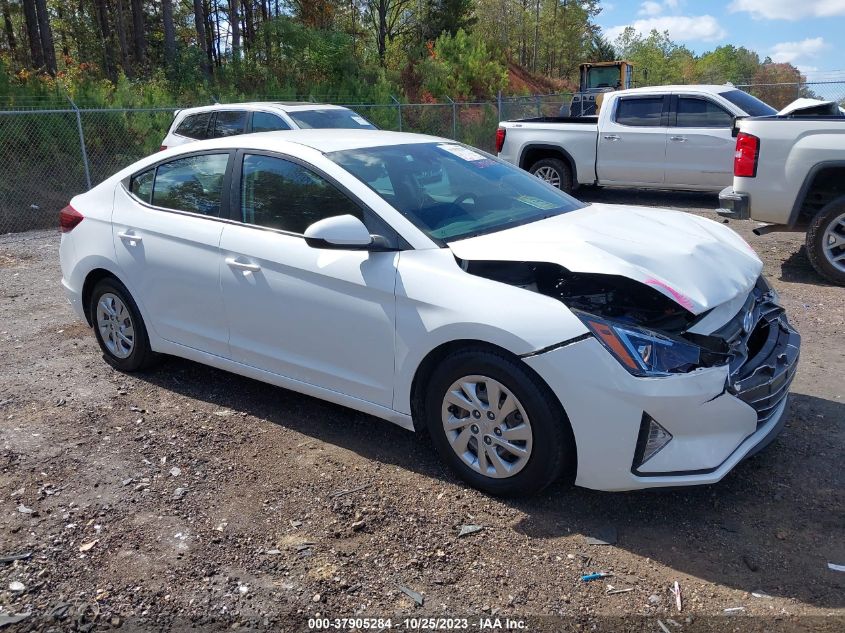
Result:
pixel 322 317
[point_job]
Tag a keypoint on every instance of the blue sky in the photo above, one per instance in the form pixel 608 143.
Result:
pixel 808 33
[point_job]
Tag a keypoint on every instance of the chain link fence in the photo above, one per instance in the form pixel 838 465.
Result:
pixel 49 155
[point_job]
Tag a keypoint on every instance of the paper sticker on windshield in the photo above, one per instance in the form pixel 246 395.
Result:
pixel 360 120
pixel 537 203
pixel 462 152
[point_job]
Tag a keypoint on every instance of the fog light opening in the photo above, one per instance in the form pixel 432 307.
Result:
pixel 651 440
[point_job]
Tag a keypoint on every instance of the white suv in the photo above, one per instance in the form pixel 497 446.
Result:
pixel 217 121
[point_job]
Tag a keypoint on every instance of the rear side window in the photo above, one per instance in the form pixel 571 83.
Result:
pixel 701 113
pixel 195 126
pixel 279 194
pixel 330 118
pixel 229 123
pixel 193 184
pixel 266 122
pixel 142 185
pixel 640 112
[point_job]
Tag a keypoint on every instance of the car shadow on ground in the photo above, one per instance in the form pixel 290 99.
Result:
pixel 694 200
pixel 771 525
pixel 797 269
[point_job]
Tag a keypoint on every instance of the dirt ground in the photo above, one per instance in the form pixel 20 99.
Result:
pixel 187 497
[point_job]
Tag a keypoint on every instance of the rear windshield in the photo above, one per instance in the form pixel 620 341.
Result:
pixel 752 106
pixel 333 118
pixel 452 191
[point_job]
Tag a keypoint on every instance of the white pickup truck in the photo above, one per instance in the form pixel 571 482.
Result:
pixel 660 137
pixel 789 171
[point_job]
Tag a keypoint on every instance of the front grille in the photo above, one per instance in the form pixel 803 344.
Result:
pixel 764 353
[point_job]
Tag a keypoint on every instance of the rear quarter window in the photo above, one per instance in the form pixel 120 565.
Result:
pixel 194 126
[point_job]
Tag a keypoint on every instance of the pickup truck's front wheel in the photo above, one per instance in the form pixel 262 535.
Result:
pixel 554 171
pixel 826 241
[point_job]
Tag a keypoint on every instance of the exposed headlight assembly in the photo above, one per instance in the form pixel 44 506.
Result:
pixel 643 352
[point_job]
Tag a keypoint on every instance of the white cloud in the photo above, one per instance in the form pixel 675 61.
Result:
pixel 682 28
pixel 788 9
pixel 650 8
pixel 791 52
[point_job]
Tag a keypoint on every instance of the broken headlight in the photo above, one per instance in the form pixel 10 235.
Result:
pixel 643 352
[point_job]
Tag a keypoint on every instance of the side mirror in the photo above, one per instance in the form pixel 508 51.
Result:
pixel 339 232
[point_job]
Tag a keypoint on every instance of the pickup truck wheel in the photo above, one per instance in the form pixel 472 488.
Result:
pixel 555 172
pixel 826 241
pixel 496 424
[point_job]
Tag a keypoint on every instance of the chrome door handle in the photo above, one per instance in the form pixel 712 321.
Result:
pixel 234 263
pixel 679 139
pixel 130 238
pixel 612 137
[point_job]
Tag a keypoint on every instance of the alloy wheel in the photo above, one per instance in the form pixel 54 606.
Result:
pixel 115 324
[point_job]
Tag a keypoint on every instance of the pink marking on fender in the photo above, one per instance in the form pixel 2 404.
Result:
pixel 677 296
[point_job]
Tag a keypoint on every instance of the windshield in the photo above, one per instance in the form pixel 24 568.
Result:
pixel 331 118
pixel 603 77
pixel 452 191
pixel 752 106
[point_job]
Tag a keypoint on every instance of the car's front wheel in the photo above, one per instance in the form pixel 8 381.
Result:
pixel 826 241
pixel 495 424
pixel 119 328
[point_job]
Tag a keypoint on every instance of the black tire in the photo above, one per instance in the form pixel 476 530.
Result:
pixel 553 444
pixel 560 168
pixel 816 251
pixel 141 356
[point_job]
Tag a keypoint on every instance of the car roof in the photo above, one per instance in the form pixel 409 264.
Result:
pixel 322 140
pixel 704 88
pixel 283 106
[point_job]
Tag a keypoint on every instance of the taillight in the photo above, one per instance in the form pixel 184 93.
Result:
pixel 745 158
pixel 500 139
pixel 69 218
pixel 162 148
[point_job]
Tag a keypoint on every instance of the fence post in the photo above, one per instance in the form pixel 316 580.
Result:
pixel 398 110
pixel 539 106
pixel 454 118
pixel 81 142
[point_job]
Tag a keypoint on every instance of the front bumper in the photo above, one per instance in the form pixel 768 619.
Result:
pixel 734 205
pixel 717 416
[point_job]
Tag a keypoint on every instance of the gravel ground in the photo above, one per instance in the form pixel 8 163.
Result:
pixel 188 497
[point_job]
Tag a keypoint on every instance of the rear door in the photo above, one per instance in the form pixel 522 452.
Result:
pixel 632 142
pixel 699 147
pixel 166 231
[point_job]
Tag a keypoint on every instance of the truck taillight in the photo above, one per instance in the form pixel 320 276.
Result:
pixel 500 139
pixel 745 158
pixel 69 218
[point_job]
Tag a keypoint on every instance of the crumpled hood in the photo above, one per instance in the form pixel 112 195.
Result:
pixel 695 261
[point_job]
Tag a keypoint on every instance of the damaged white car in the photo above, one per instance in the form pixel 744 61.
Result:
pixel 429 284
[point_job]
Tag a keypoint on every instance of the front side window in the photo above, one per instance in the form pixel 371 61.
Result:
pixel 452 191
pixel 195 126
pixel 749 104
pixel 193 184
pixel 339 118
pixel 701 113
pixel 280 194
pixel 640 112
pixel 266 122
pixel 229 123
pixel 141 185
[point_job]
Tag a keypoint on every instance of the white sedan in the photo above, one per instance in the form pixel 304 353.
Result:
pixel 437 287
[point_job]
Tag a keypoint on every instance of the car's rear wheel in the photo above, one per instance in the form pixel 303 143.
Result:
pixel 826 241
pixel 119 328
pixel 495 424
pixel 555 172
